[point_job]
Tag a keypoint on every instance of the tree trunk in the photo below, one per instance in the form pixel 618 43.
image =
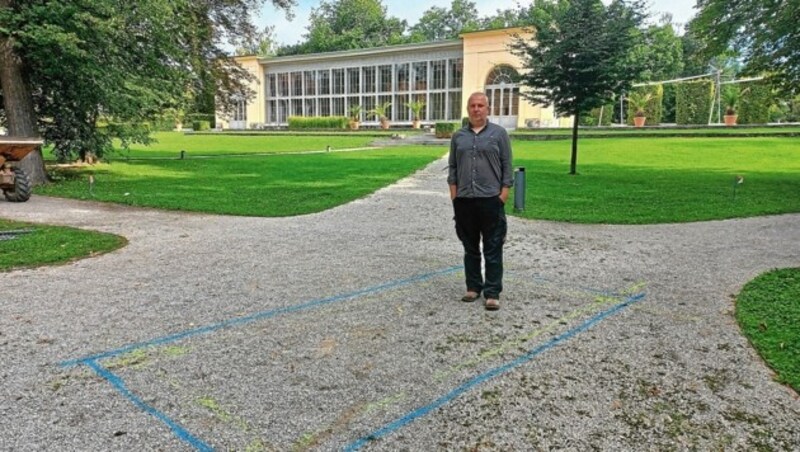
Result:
pixel 573 163
pixel 18 105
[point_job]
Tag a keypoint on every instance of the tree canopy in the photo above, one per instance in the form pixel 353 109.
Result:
pixel 350 24
pixel 765 33
pixel 81 73
pixel 580 56
pixel 439 23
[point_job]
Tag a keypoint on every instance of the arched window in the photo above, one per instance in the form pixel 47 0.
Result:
pixel 502 75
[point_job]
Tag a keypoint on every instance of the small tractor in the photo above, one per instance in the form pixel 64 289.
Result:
pixel 13 181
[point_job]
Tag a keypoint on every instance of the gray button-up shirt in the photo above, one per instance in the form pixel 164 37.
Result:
pixel 480 163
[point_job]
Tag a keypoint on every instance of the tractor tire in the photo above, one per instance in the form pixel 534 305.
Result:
pixel 22 187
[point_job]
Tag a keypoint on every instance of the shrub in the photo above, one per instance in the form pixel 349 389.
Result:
pixel 465 121
pixel 199 126
pixel 754 104
pixel 693 102
pixel 593 117
pixel 445 129
pixel 318 122
pixel 192 117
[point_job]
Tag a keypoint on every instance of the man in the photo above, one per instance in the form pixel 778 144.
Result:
pixel 480 177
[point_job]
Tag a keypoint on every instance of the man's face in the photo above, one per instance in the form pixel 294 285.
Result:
pixel 478 109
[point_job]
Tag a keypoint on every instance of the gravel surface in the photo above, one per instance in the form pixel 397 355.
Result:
pixel 342 330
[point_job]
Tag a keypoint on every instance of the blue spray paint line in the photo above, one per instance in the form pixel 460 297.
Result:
pixel 119 385
pixel 488 375
pixel 260 316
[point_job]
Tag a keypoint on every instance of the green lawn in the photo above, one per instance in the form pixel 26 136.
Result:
pixel 47 245
pixel 665 131
pixel 663 180
pixel 275 185
pixel 170 144
pixel 768 311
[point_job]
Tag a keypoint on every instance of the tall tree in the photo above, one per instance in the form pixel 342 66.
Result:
pixel 350 24
pixel 580 56
pixel 765 32
pixel 661 50
pixel 81 73
pixel 439 23
pixel 264 44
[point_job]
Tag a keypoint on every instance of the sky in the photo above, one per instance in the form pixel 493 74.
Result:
pixel 292 31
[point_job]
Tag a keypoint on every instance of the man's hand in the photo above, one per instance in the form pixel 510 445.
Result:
pixel 504 194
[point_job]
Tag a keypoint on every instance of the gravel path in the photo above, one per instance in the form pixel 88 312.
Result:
pixel 341 330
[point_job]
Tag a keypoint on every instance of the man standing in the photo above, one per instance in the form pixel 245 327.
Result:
pixel 480 177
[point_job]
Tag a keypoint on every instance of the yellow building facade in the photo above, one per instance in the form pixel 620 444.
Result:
pixel 440 74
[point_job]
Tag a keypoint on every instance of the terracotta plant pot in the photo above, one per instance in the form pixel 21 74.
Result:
pixel 354 125
pixel 730 120
pixel 638 121
pixel 384 123
pixel 415 124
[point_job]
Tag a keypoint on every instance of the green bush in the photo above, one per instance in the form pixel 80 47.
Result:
pixel 199 126
pixel 653 109
pixel 192 117
pixel 756 100
pixel 445 129
pixel 693 102
pixel 593 119
pixel 465 121
pixel 317 122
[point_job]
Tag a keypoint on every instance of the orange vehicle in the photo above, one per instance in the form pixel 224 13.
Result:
pixel 14 182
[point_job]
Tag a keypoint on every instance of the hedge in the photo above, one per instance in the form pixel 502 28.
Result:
pixel 190 118
pixel 445 129
pixel 591 119
pixel 693 101
pixel 318 122
pixel 754 103
pixel 199 126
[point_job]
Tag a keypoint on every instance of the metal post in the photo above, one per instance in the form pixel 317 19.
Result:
pixel 519 189
pixel 183 154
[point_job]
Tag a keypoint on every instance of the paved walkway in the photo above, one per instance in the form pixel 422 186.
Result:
pixel 341 330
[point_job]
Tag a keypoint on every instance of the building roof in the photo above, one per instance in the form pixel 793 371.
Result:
pixel 400 48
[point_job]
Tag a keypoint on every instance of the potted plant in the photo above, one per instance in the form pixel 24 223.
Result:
pixel 355 116
pixel 731 98
pixel 380 112
pixel 416 107
pixel 638 102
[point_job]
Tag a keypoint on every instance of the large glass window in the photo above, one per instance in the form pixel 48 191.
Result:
pixel 310 107
pixel 368 102
pixel 272 116
pixel 401 107
pixel 420 75
pixel 338 106
pixel 368 77
pixel 439 74
pixel 283 84
pixel 272 90
pixel 310 83
pixel 384 99
pixel 324 82
pixel 353 80
pixel 325 107
pixel 438 106
pixel 385 81
pixel 338 81
pixel 456 73
pixel 297 107
pixel 454 102
pixel 297 83
pixel 283 108
pixel 402 76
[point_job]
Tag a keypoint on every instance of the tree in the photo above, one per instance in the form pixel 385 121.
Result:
pixel 661 50
pixel 350 24
pixel 764 32
pixel 264 44
pixel 580 56
pixel 440 23
pixel 82 73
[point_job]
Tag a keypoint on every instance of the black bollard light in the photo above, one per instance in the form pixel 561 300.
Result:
pixel 519 189
pixel 183 154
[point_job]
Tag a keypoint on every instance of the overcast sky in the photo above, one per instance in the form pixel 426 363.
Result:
pixel 291 32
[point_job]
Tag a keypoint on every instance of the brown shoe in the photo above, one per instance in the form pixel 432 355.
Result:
pixel 492 304
pixel 470 297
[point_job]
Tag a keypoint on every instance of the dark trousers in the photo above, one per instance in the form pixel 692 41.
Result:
pixel 476 219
